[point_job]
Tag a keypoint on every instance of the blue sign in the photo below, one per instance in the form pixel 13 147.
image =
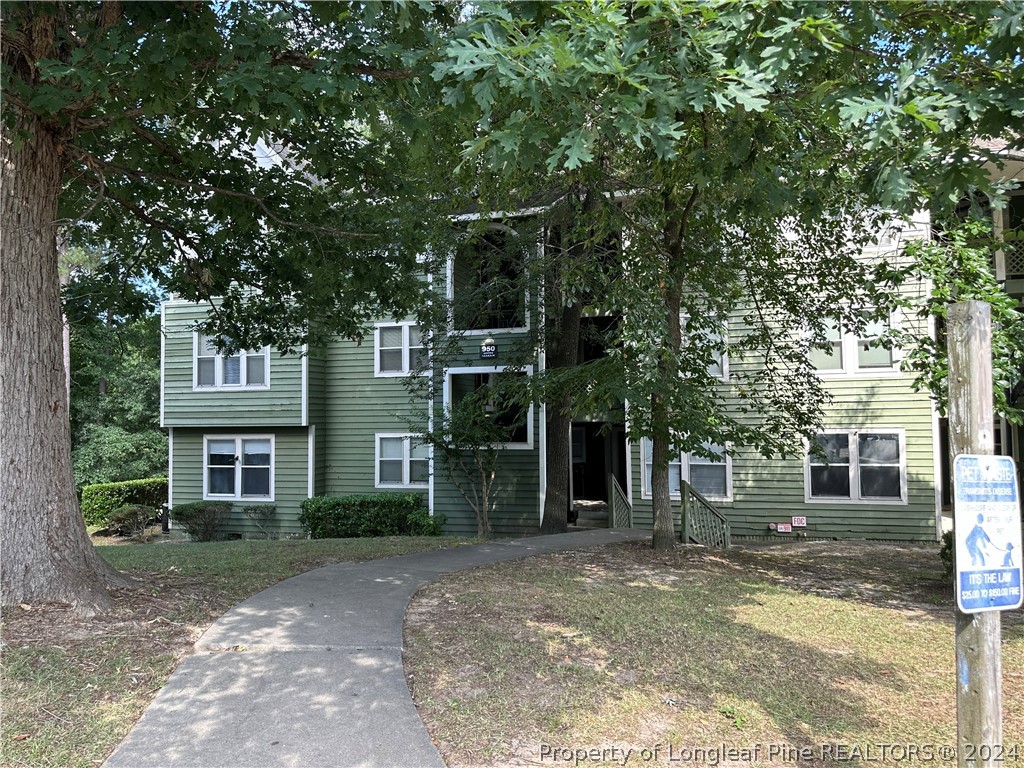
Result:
pixel 986 503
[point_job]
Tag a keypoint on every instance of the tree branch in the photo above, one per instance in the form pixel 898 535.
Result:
pixel 157 142
pixel 212 189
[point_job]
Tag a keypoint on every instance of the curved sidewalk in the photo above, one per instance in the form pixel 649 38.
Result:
pixel 308 673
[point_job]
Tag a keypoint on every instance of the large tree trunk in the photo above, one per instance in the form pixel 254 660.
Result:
pixel 44 548
pixel 664 537
pixel 562 341
pixel 563 353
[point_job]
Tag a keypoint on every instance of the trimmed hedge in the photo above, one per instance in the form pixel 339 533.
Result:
pixel 378 514
pixel 202 520
pixel 131 520
pixel 100 501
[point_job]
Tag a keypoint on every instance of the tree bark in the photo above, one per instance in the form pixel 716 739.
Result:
pixel 663 537
pixel 564 353
pixel 562 343
pixel 673 238
pixel 45 550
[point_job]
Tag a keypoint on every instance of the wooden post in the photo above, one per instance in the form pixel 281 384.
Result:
pixel 979 715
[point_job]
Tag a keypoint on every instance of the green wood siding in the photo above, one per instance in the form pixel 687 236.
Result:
pixel 316 365
pixel 516 494
pixel 358 406
pixel 772 490
pixel 517 481
pixel 290 475
pixel 280 405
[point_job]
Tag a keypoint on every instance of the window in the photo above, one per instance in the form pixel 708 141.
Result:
pixel 239 468
pixel 858 465
pixel 487 288
pixel 402 461
pixel 245 368
pixel 713 339
pixel 870 353
pixel 831 357
pixel 398 349
pixel 710 478
pixel 488 386
pixel 847 353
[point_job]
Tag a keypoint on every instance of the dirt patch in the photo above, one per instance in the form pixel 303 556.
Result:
pixel 166 613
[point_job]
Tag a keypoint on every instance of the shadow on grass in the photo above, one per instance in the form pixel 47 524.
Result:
pixel 697 649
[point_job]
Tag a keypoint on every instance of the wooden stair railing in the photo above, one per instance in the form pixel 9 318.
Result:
pixel 620 511
pixel 702 523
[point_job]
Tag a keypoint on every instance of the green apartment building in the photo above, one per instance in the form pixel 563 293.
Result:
pixel 258 427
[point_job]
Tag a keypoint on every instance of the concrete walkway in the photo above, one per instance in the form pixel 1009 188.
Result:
pixel 308 673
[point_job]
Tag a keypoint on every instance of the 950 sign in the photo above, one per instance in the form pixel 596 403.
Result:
pixel 488 349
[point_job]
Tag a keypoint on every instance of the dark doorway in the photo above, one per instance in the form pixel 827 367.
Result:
pixel 598 451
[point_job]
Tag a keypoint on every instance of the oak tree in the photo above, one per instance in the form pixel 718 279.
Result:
pixel 254 151
pixel 748 149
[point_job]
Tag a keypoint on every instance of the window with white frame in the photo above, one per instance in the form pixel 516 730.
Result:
pixel 238 467
pixel 857 465
pixel 402 461
pixel 714 339
pixel 399 349
pixel 850 353
pixel 215 369
pixel 711 478
pixel 829 356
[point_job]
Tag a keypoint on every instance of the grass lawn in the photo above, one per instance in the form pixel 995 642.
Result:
pixel 73 688
pixel 843 644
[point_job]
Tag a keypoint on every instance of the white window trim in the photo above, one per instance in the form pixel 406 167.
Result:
pixel 527 369
pixel 684 320
pixel 218 370
pixel 407 438
pixel 406 351
pixel 484 332
pixel 237 496
pixel 851 368
pixel 684 470
pixel 855 497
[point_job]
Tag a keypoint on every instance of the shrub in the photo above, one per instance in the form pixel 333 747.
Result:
pixel 379 514
pixel 261 515
pixel 131 520
pixel 947 552
pixel 100 501
pixel 422 523
pixel 202 520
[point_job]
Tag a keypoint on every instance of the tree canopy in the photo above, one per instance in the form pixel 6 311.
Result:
pixel 749 150
pixel 261 152
pixel 292 159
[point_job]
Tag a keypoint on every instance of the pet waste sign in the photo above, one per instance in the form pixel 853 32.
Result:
pixel 986 503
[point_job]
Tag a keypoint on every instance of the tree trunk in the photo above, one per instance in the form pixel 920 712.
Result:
pixel 562 343
pixel 673 237
pixel 44 548
pixel 564 354
pixel 663 537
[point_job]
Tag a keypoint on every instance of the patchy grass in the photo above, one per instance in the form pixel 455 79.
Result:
pixel 799 646
pixel 72 687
